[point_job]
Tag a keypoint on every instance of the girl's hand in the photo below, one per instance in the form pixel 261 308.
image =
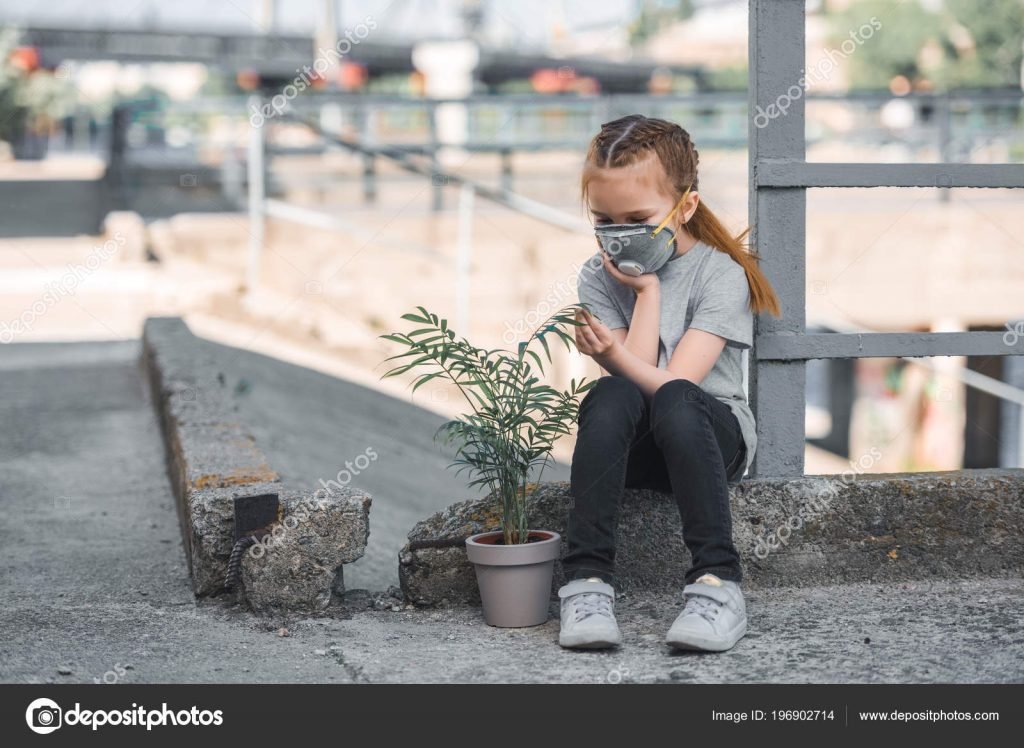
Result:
pixel 637 282
pixel 593 338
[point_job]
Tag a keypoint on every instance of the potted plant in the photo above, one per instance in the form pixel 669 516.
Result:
pixel 511 429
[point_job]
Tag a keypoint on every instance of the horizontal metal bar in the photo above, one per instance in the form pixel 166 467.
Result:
pixel 315 99
pixel 785 347
pixel 319 219
pixel 978 381
pixel 791 173
pixel 527 206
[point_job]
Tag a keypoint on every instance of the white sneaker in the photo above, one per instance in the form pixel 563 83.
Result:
pixel 588 615
pixel 715 616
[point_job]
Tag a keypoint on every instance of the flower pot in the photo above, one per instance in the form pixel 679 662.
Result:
pixel 514 580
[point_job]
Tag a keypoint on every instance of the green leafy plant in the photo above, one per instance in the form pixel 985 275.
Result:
pixel 515 418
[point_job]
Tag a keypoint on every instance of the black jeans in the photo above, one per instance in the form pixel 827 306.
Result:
pixel 682 441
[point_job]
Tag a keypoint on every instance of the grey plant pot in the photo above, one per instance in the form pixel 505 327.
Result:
pixel 514 580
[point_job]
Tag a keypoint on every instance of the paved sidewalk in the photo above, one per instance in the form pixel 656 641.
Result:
pixel 938 632
pixel 95 585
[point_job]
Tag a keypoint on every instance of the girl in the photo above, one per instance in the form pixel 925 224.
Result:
pixel 672 313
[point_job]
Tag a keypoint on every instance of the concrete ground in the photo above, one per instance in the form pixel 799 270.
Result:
pixel 308 424
pixel 96 588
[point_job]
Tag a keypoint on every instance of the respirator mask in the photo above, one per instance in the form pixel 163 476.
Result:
pixel 638 248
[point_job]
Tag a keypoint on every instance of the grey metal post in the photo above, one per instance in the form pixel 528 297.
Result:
pixel 120 119
pixel 777 218
pixel 231 176
pixel 463 258
pixel 437 182
pixel 80 133
pixel 257 197
pixel 506 170
pixel 369 178
pixel 944 117
pixel 364 118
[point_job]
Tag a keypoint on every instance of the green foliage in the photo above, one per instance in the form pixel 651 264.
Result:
pixel 732 78
pixel 993 31
pixel 892 50
pixel 515 418
pixel 997 29
pixel 655 15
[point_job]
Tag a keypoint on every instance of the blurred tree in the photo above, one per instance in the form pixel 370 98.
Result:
pixel 732 78
pixel 654 15
pixel 963 43
pixel 994 55
pixel 894 48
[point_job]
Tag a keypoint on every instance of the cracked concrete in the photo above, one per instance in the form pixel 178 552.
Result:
pixel 214 461
pixel 95 584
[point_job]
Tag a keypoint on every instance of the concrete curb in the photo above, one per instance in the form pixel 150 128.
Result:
pixel 790 532
pixel 298 567
pixel 212 460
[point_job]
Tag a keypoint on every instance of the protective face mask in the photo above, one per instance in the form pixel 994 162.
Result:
pixel 638 248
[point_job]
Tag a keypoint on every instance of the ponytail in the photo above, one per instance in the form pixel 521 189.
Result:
pixel 705 227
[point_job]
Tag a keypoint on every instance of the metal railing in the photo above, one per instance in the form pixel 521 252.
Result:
pixel 780 177
pixel 947 127
pixel 260 207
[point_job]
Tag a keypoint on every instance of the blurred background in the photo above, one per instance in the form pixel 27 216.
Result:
pixel 292 177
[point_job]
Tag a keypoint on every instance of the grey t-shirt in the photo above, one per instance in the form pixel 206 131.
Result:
pixel 703 288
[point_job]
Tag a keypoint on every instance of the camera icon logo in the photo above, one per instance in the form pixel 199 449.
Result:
pixel 43 716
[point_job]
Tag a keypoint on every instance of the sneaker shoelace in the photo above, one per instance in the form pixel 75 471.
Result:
pixel 591 603
pixel 703 606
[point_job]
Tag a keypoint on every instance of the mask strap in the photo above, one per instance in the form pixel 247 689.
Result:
pixel 672 212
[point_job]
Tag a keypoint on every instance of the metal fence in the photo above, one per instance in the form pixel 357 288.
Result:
pixel 949 127
pixel 779 178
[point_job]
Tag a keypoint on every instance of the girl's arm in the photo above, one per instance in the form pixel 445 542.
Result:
pixel 643 336
pixel 692 359
pixel 619 333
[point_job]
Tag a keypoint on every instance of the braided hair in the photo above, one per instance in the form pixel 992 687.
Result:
pixel 633 139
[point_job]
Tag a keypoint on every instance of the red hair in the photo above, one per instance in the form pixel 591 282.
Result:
pixel 629 140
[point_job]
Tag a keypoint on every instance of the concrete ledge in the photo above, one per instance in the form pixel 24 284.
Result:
pixel 212 460
pixel 300 564
pixel 800 532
